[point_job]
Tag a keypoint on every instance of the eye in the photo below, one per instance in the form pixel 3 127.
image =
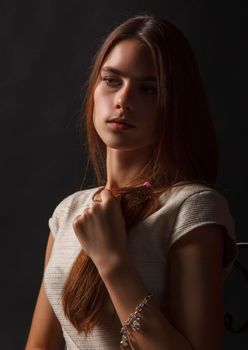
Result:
pixel 110 81
pixel 149 90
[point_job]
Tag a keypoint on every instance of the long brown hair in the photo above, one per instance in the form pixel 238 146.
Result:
pixel 186 150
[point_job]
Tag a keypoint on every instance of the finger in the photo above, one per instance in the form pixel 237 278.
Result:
pixel 77 218
pixel 88 211
pixel 76 222
pixel 105 194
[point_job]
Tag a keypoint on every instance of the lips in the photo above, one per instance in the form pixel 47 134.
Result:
pixel 120 121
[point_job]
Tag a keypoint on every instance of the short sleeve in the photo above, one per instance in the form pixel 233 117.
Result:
pixel 58 214
pixel 203 208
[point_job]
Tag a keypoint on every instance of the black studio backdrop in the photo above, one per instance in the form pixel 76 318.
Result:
pixel 46 51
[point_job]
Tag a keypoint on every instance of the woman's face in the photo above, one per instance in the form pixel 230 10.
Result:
pixel 127 89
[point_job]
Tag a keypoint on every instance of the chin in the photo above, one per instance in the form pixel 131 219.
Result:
pixel 120 147
pixel 125 147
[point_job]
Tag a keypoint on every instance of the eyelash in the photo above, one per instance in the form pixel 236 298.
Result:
pixel 107 79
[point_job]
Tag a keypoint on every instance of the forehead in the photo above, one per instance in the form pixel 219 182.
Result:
pixel 131 56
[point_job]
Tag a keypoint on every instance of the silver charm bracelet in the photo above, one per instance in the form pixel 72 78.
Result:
pixel 133 321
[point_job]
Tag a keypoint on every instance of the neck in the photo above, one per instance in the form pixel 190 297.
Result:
pixel 126 167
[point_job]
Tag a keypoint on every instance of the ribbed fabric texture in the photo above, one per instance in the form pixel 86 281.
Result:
pixel 181 210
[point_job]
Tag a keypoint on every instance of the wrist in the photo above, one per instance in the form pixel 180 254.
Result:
pixel 113 265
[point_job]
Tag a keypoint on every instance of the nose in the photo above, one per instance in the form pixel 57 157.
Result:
pixel 125 99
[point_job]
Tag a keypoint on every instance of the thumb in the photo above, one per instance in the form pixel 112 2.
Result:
pixel 106 194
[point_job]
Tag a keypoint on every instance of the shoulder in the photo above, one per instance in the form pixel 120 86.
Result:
pixel 198 203
pixel 69 207
pixel 202 221
pixel 185 192
pixel 193 204
pixel 76 199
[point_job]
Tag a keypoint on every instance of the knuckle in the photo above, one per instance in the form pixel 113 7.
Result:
pixel 76 223
pixel 109 200
pixel 86 211
pixel 79 220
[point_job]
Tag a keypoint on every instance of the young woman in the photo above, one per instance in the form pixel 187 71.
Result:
pixel 155 235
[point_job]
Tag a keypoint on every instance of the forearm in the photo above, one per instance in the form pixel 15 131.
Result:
pixel 31 347
pixel 126 290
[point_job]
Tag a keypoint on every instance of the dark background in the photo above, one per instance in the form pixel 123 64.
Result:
pixel 46 49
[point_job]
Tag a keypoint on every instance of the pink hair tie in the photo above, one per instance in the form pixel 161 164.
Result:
pixel 147 184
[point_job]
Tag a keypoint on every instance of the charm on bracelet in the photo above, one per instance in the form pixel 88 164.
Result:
pixel 133 322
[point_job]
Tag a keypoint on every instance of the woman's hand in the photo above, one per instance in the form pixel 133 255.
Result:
pixel 101 231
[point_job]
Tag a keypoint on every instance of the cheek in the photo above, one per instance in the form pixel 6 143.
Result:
pixel 97 106
pixel 93 117
pixel 99 109
pixel 153 124
pixel 101 101
pixel 96 96
pixel 148 106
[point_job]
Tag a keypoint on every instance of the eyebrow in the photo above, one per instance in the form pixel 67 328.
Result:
pixel 117 71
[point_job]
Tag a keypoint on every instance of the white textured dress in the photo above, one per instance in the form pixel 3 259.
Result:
pixel 183 209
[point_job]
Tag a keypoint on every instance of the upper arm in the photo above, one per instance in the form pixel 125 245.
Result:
pixel 195 287
pixel 45 332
